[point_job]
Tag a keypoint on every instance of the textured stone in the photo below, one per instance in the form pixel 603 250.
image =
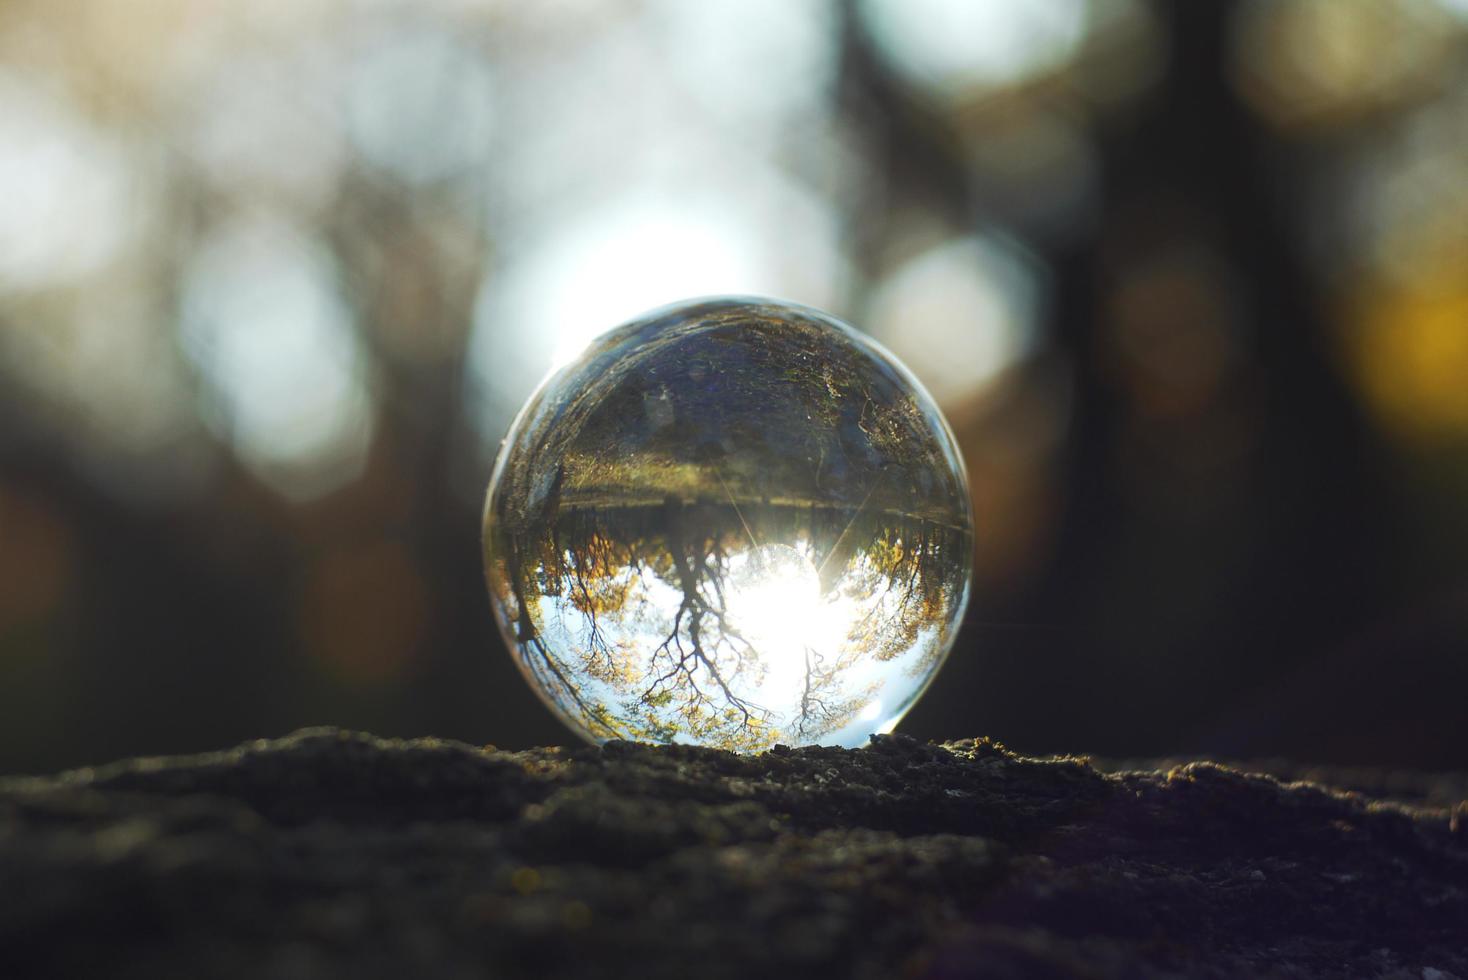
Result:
pixel 334 854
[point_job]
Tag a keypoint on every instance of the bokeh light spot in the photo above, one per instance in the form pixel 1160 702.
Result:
pixel 640 251
pixel 65 202
pixel 243 116
pixel 1326 62
pixel 959 44
pixel 266 327
pixel 420 104
pixel 1409 354
pixel 713 43
pixel 960 313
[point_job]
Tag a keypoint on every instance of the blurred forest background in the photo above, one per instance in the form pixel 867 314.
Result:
pixel 1189 279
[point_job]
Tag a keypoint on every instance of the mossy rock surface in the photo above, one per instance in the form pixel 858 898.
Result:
pixel 336 854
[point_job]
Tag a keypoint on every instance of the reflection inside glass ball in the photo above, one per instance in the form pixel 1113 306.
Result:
pixel 730 522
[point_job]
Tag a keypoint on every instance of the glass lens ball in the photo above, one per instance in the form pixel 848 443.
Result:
pixel 730 522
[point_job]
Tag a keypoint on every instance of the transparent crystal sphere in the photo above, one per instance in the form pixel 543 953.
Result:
pixel 731 522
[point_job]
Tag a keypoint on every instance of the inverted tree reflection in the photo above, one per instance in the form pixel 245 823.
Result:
pixel 673 622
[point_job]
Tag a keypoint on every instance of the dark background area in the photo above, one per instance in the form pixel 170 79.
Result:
pixel 1189 279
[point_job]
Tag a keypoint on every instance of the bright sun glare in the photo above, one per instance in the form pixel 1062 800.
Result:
pixel 775 602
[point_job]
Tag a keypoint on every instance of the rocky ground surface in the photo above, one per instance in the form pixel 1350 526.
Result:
pixel 335 854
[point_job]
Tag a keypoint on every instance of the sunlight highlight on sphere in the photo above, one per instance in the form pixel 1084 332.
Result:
pixel 730 522
pixel 773 596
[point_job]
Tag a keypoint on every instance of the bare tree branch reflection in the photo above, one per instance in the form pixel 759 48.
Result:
pixel 640 601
